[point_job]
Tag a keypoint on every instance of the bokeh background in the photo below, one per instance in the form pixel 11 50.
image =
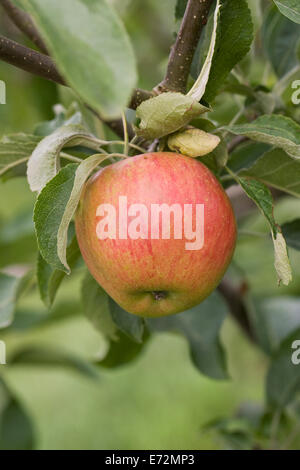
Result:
pixel 159 401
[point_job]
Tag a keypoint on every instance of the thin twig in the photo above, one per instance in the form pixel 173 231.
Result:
pixel 125 132
pixel 25 24
pixel 29 60
pixel 42 65
pixel 237 306
pixel 236 141
pixel 139 96
pixel 182 52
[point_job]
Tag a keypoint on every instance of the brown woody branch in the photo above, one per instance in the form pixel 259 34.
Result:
pixel 234 298
pixel 182 52
pixel 42 65
pixel 25 24
pixel 29 60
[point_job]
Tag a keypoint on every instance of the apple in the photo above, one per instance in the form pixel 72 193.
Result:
pixel 157 231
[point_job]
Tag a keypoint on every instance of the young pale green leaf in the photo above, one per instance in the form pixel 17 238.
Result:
pixel 44 162
pixel 16 149
pixel 271 166
pixel 282 262
pixel 272 129
pixel 202 330
pixel 280 39
pixel 262 197
pixel 218 157
pixel 234 38
pixel 52 357
pixel 220 153
pixel 193 142
pixel 198 89
pixel 289 8
pixel 49 278
pixel 56 206
pixel 291 232
pixel 16 428
pixel 9 286
pixel 166 114
pixel 283 379
pixel 96 59
pixel 96 307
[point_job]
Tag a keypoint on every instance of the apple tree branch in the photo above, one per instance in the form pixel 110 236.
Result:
pixel 182 52
pixel 25 24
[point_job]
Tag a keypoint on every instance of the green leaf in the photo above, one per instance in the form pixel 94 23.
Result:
pixel 106 315
pixel 49 278
pixel 246 155
pixel 44 162
pixel 49 210
pixel 274 319
pixel 165 114
pixel 193 142
pixel 280 39
pixel 198 89
pixel 48 127
pixel 15 149
pixel 56 206
pixel 235 35
pixel 17 227
pixel 48 356
pixel 219 156
pixel 289 8
pixel 201 326
pixel 122 351
pixel 16 428
pixel 283 379
pixel 131 325
pixel 262 197
pixel 273 167
pixel 96 307
pixel 8 296
pixel 180 9
pixel 96 59
pixel 282 262
pixel 291 232
pixel 272 129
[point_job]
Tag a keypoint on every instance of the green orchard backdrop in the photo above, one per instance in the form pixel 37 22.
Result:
pixel 86 77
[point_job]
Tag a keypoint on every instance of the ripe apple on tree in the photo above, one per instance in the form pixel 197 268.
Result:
pixel 158 276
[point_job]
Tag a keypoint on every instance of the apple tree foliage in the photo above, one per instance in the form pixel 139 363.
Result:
pixel 259 152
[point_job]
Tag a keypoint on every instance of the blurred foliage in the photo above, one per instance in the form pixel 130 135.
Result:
pixel 84 388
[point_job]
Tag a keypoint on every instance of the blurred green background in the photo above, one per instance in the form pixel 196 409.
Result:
pixel 160 401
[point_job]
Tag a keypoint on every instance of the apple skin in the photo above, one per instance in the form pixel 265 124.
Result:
pixel 153 278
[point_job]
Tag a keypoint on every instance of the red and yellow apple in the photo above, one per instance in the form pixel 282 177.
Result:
pixel 155 275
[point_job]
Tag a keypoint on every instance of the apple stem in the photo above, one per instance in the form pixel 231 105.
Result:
pixel 159 295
